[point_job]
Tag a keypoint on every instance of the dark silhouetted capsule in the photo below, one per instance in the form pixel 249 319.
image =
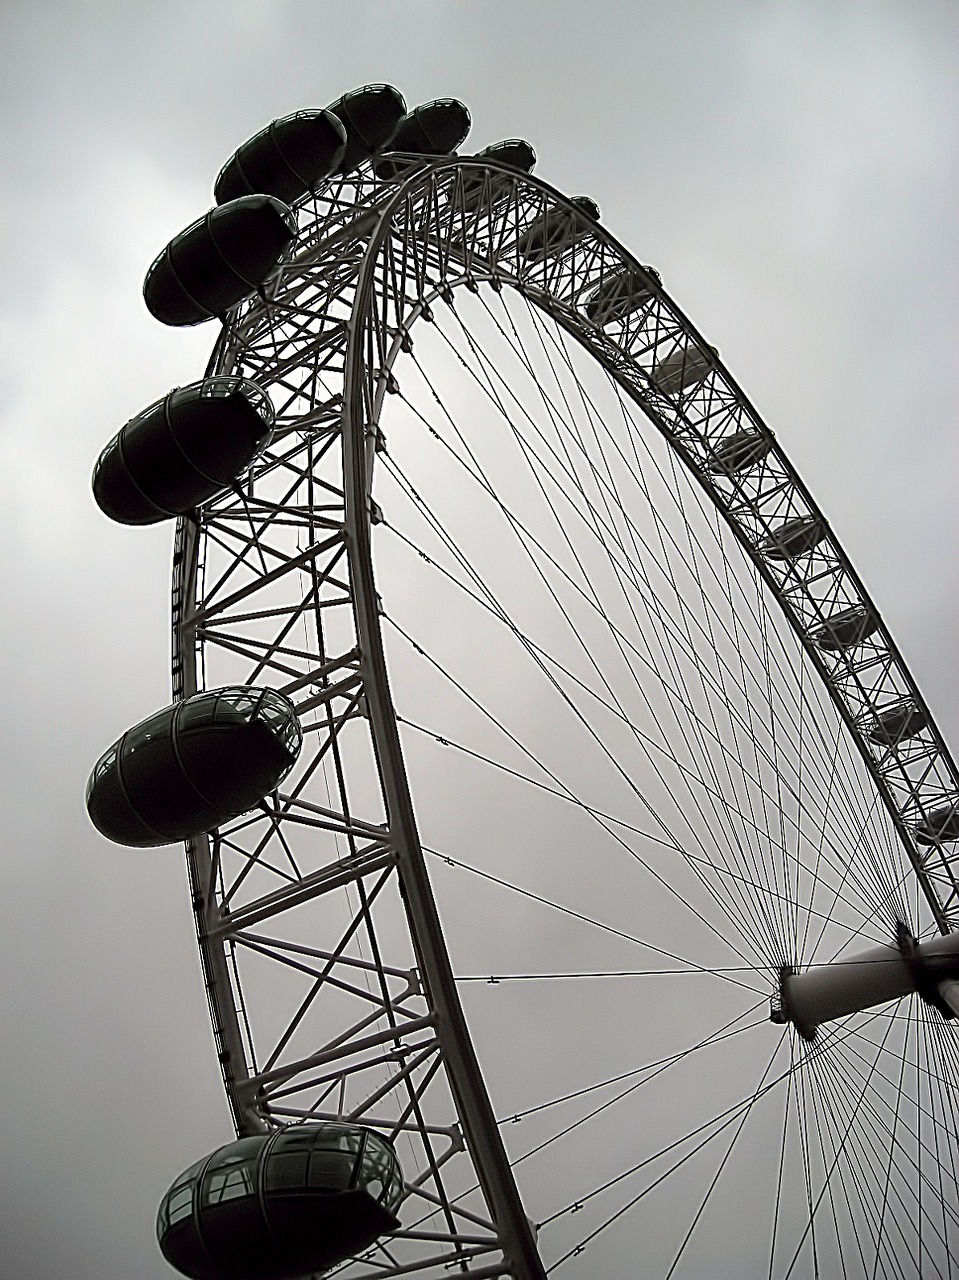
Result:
pixel 738 452
pixel 513 152
pixel 896 722
pixel 370 116
pixel 682 368
pixel 182 450
pixel 793 538
pixel 219 260
pixel 193 766
pixel 432 129
pixel 281 1206
pixel 939 826
pixel 621 294
pixel 287 159
pixel 846 628
pixel 557 229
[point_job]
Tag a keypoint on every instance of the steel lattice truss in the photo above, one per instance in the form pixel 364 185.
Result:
pixel 272 584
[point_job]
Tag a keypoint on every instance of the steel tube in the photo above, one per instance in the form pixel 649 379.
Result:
pixel 854 983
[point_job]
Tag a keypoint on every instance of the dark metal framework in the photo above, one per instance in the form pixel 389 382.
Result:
pixel 276 579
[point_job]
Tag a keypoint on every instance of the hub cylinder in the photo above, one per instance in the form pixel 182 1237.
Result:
pixel 854 983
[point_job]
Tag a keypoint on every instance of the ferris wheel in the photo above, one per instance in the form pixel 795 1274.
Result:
pixel 572 854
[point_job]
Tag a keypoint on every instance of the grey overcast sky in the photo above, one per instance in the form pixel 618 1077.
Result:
pixel 790 168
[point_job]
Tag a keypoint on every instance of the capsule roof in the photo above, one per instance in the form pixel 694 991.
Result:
pixel 513 152
pixel 620 294
pixel 738 451
pixel 218 260
pixel 894 723
pixel 940 826
pixel 193 766
pixel 794 538
pixel 683 367
pixel 370 115
pixel 587 205
pixel 846 628
pixel 182 450
pixel 432 129
pixel 287 159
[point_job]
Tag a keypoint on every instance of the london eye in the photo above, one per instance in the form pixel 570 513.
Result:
pixel 572 854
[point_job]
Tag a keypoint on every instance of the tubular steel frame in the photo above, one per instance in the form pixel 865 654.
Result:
pixel 373 259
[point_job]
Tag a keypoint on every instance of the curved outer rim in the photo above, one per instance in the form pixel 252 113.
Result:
pixel 693 447
pixel 472 1100
pixel 917 797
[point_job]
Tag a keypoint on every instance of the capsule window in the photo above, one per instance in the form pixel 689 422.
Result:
pixel 331 1170
pixel 276 713
pixel 286 1170
pixel 231 1175
pixel 374 1173
pixel 333 1162
pixel 234 706
pixel 177 1204
pixel 379 1174
pixel 180 1205
pixel 102 766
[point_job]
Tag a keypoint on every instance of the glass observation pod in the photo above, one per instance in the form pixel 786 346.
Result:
pixel 846 629
pixel 738 452
pixel 193 766
pixel 281 1206
pixel 940 826
pixel 896 723
pixel 515 154
pixel 557 230
pixel 432 129
pixel 219 260
pixel 621 295
pixel 794 538
pixel 289 158
pixel 682 368
pixel 175 455
pixel 370 115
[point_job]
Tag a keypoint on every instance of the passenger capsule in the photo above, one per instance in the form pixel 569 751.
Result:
pixel 178 453
pixel 370 116
pixel 193 766
pixel 287 159
pixel 621 294
pixel 793 538
pixel 939 826
pixel 682 368
pixel 846 629
pixel 219 260
pixel 896 722
pixel 738 452
pixel 557 229
pixel 432 129
pixel 514 154
pixel 281 1206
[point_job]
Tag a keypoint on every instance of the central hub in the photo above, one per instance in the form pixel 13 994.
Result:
pixel 851 984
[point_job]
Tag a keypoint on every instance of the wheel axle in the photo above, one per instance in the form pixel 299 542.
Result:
pixel 852 984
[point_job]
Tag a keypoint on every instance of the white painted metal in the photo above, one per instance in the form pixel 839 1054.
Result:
pixel 854 983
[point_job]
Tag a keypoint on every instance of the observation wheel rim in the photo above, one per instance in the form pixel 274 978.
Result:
pixel 945 913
